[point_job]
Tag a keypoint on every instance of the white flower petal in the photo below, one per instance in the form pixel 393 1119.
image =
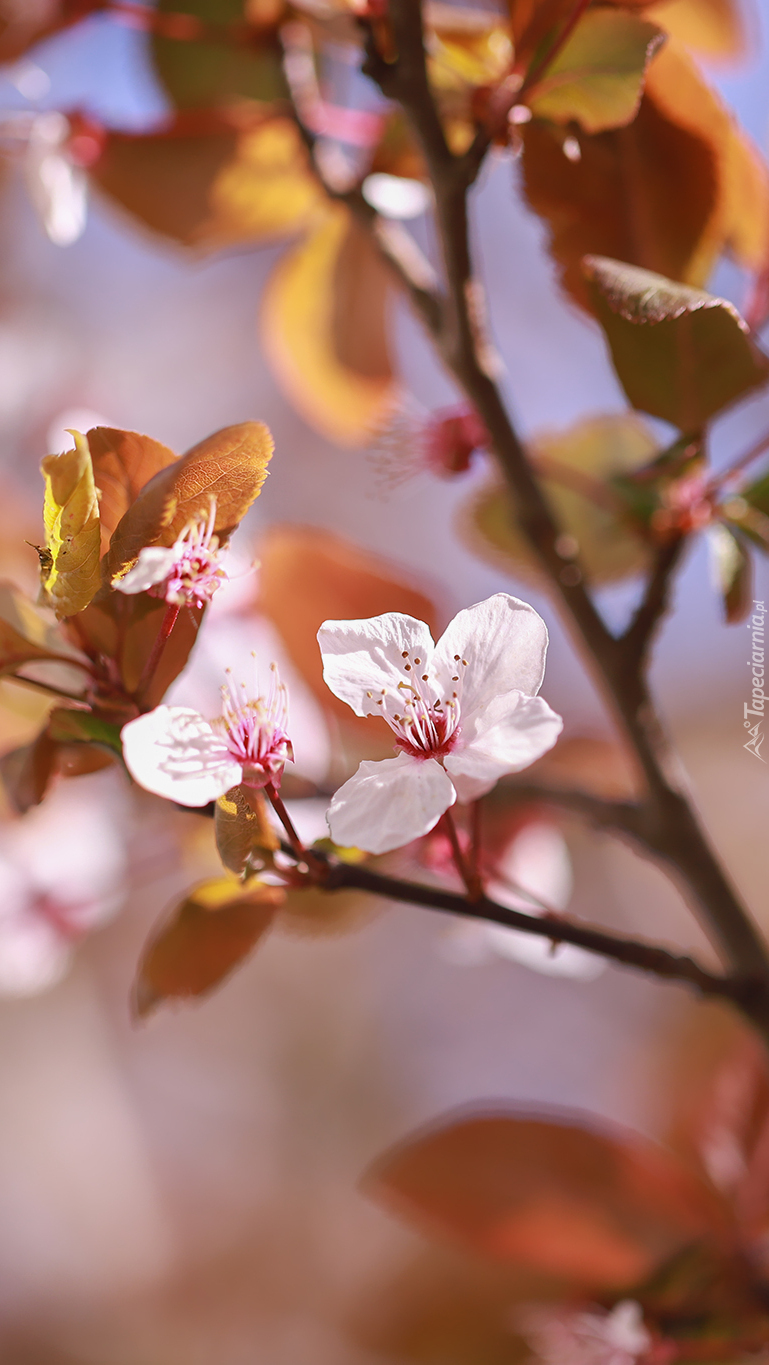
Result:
pixel 367 656
pixel 387 804
pixel 173 752
pixel 510 734
pixel 504 642
pixel 153 565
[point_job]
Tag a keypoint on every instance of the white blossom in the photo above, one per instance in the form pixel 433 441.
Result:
pixel 575 1337
pixel 464 712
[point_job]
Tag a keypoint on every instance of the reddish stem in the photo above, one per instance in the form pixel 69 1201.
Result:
pixel 469 877
pixel 167 625
pixel 302 854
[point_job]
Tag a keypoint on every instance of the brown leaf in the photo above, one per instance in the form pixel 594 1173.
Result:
pixel 670 192
pixel 209 932
pixel 25 637
pixel 599 1209
pixel 23 24
pixel 26 773
pixel 241 827
pixel 124 628
pixel 308 576
pixel 123 461
pixel 323 326
pixel 213 178
pixel 229 466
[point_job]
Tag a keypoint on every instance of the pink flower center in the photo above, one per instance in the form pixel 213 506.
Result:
pixel 196 573
pixel 256 732
pixel 424 713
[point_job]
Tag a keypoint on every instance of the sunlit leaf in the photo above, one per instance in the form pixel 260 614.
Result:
pixel 229 466
pixel 597 77
pixel 576 467
pixel 228 63
pixel 211 930
pixel 232 176
pixel 308 576
pixel 323 326
pixel 123 461
pixel 596 1208
pixel 241 830
pixel 732 571
pixel 680 353
pixel 72 533
pixel 714 28
pixel 697 186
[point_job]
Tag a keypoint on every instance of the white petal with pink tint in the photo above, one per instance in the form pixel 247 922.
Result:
pixel 504 643
pixel 152 567
pixel 174 752
pixel 508 735
pixel 387 804
pixel 360 658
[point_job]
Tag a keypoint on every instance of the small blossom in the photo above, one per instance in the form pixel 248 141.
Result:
pixel 463 712
pixel 185 574
pixel 175 752
pixel 572 1337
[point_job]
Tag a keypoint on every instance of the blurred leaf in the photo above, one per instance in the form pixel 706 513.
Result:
pixel 123 461
pixel 680 354
pixel 576 467
pixel 27 772
pixel 211 930
pixel 125 628
pixel 72 534
pixel 670 192
pixel 229 466
pixel 232 63
pixel 81 727
pixel 308 576
pixel 714 28
pixel 241 830
pixel 25 637
pixel 732 571
pixel 597 1209
pixel 219 179
pixel 323 327
pixel 597 77
pixel 22 24
pixel 757 494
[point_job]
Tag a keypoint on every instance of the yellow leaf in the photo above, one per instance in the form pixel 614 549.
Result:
pixel 241 828
pixel 713 27
pixel 266 190
pixel 323 328
pixel 72 530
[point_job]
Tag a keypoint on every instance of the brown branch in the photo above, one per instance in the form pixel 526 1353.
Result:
pixel 672 830
pixel 748 992
pixel 639 636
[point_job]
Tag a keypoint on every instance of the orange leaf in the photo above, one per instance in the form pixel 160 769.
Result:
pixel 211 930
pixel 323 326
pixel 599 1209
pixel 715 28
pixel 123 461
pixel 670 192
pixel 307 577
pixel 213 180
pixel 230 466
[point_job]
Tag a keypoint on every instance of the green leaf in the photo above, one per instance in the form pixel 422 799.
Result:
pixel 81 727
pixel 680 354
pixel 578 468
pixel 597 77
pixel 757 494
pixel 732 571
pixel 209 932
pixel 217 69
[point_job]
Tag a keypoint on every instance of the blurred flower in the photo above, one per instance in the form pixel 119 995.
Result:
pixel 186 573
pixel 570 1337
pixel 450 438
pixel 61 872
pixel 58 188
pixel 464 712
pixel 174 752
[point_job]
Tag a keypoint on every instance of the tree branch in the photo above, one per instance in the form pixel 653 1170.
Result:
pixel 672 830
pixel 748 992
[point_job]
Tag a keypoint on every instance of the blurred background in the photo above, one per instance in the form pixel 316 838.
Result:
pixel 187 1190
